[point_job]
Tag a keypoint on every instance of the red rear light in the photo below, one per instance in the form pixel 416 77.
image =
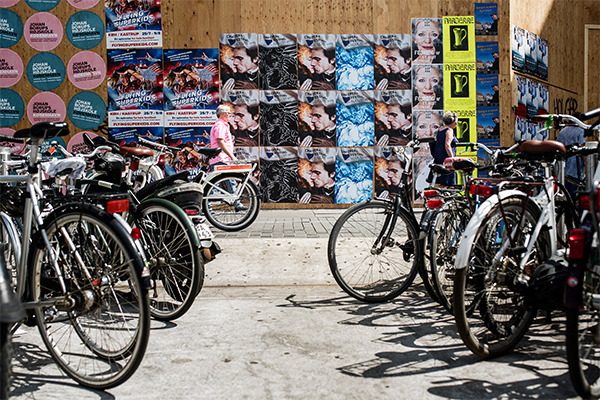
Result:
pixel 583 203
pixel 191 212
pixel 481 190
pixel 134 165
pixel 430 193
pixel 597 200
pixel 161 160
pixel 576 243
pixel 436 203
pixel 135 233
pixel 117 206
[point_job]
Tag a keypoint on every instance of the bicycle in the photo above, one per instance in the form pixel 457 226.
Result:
pixel 80 274
pixel 230 199
pixel 507 238
pixel 376 248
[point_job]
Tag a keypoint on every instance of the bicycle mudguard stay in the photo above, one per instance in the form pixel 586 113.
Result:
pixel 119 226
pixel 466 242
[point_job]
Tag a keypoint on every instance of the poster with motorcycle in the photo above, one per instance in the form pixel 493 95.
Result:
pixel 133 24
pixel 135 88
pixel 191 87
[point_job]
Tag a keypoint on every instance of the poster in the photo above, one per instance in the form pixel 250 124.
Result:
pixel 488 123
pixel 543 102
pixel 11 68
pixel 46 107
pixel 426 124
pixel 518 49
pixel 316 175
pixel 12 107
pixel 278 62
pixel 46 71
pixel 128 135
pixel 86 110
pixel 85 30
pixel 239 61
pixel 135 88
pixel 317 118
pixel 279 174
pixel 531 98
pixel 279 118
pixel 428 87
pixel 531 56
pixel 86 70
pixel 387 173
pixel 191 89
pixel 542 59
pixel 354 58
pixel 43 31
pixel 11 28
pixel 316 62
pixel 460 88
pixel 392 58
pixel 459 39
pixel 466 126
pixel 488 58
pixel 252 156
pixel 133 24
pixel 427 41
pixel 355 118
pixel 488 90
pixel 200 136
pixel 486 18
pixel 353 175
pixel 246 116
pixel 393 118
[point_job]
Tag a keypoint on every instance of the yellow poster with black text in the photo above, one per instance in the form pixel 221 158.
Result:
pixel 465 132
pixel 459 39
pixel 460 86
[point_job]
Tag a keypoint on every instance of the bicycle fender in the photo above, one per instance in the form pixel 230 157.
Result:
pixel 466 242
pixel 12 231
pixel 179 212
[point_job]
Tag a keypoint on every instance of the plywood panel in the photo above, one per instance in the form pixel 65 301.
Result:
pixel 593 77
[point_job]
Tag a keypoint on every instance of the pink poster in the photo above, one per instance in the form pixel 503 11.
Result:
pixel 83 4
pixel 76 144
pixel 86 70
pixel 15 148
pixel 43 31
pixel 8 3
pixel 11 68
pixel 46 107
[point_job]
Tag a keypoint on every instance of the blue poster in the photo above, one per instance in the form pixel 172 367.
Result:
pixel 486 18
pixel 353 175
pixel 488 58
pixel 42 5
pixel 355 119
pixel 354 58
pixel 86 110
pixel 133 24
pixel 488 123
pixel 12 107
pixel 11 28
pixel 46 71
pixel 487 90
pixel 85 30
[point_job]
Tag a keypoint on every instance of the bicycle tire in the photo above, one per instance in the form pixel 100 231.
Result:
pixel 448 228
pixel 425 268
pixel 373 276
pixel 110 316
pixel 220 210
pixel 5 360
pixel 583 357
pixel 176 264
pixel 488 308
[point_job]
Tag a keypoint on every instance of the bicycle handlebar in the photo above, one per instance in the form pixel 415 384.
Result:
pixel 7 138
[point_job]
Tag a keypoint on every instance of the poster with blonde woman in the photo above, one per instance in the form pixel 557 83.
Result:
pixel 427 41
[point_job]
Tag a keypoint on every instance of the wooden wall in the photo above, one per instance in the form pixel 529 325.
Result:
pixel 198 23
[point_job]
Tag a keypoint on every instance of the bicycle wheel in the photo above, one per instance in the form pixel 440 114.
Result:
pixel 449 226
pixel 5 360
pixel 176 264
pixel 367 271
pixel 583 353
pixel 226 211
pixel 488 302
pixel 9 238
pixel 425 270
pixel 97 331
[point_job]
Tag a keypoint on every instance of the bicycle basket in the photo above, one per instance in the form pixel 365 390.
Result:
pixel 11 200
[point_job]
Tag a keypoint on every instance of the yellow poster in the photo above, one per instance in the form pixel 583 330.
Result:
pixel 460 86
pixel 459 39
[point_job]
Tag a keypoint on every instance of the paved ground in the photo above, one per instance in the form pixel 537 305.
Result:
pixel 270 323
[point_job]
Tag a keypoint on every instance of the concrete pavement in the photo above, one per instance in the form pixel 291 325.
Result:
pixel 271 323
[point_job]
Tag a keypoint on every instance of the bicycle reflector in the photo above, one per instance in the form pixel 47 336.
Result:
pixel 583 201
pixel 481 190
pixel 430 193
pixel 576 243
pixel 117 206
pixel 135 233
pixel 435 203
pixel 191 211
pixel 161 161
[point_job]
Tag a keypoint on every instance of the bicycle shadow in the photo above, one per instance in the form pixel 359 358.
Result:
pixel 32 370
pixel 431 346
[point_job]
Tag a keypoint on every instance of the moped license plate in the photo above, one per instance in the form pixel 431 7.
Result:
pixel 204 231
